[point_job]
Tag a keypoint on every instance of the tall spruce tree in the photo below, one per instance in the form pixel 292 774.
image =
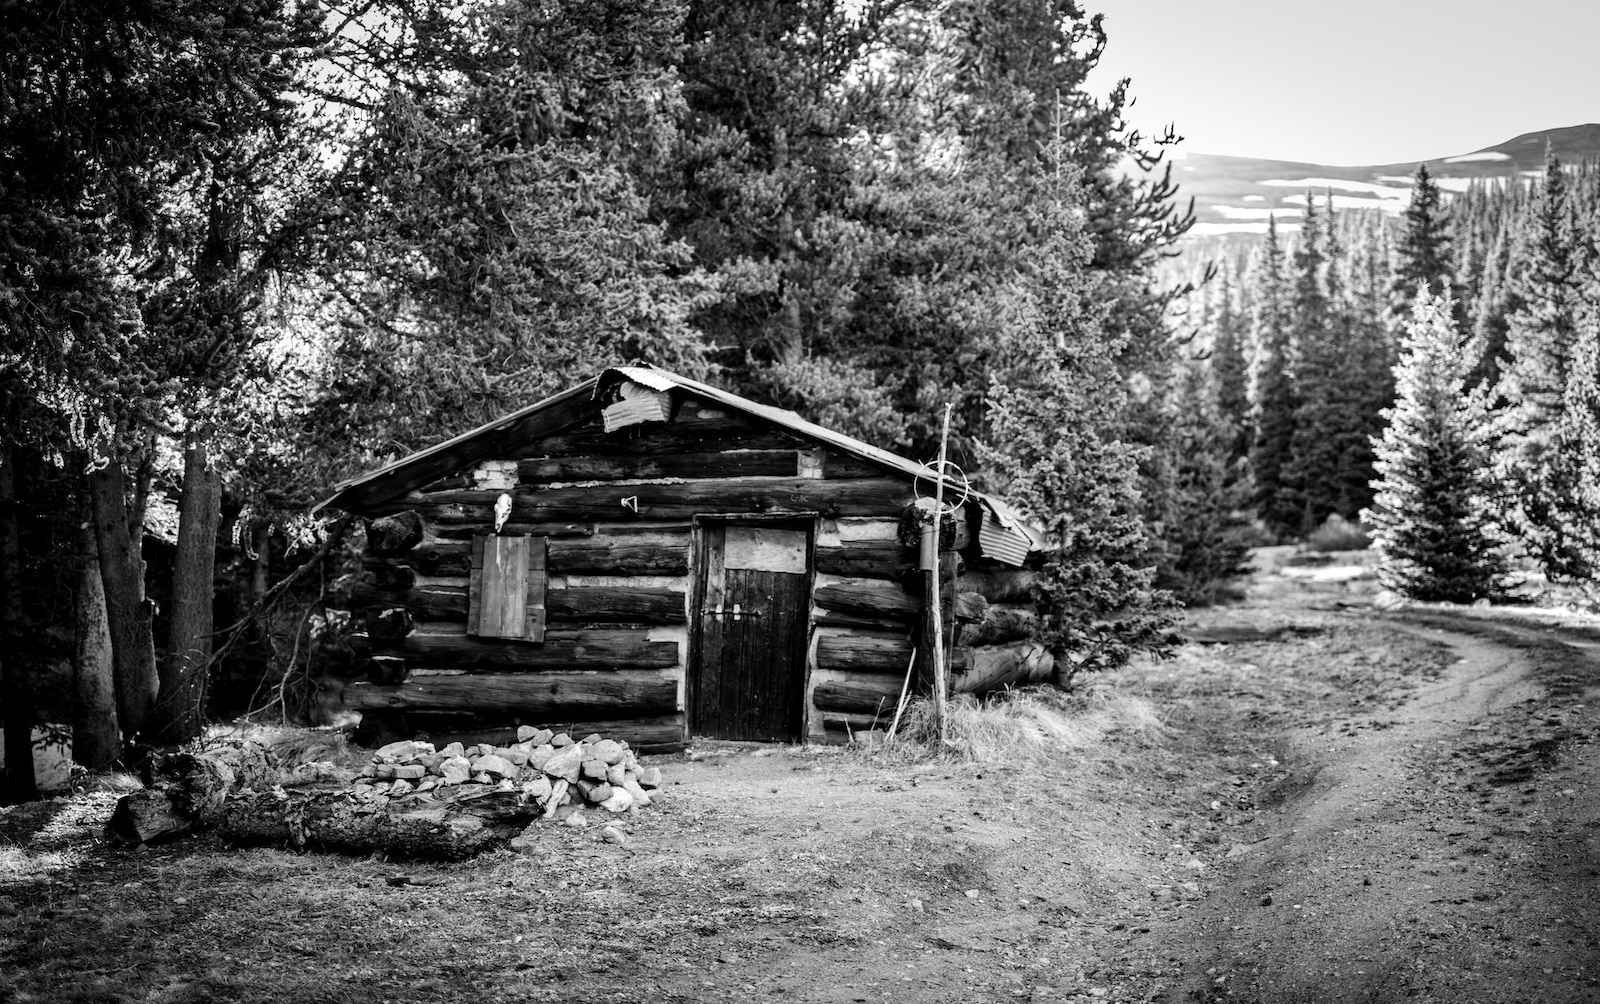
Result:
pixel 1273 388
pixel 1423 251
pixel 1432 515
pixel 1547 299
pixel 1230 365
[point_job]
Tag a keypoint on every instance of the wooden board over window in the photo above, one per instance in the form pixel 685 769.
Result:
pixel 506 592
pixel 765 549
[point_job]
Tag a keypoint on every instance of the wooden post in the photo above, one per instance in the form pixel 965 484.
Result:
pixel 941 676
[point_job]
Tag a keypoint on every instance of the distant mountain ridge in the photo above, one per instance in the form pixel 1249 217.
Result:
pixel 1234 195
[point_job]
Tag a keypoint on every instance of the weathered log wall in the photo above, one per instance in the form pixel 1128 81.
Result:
pixel 617 512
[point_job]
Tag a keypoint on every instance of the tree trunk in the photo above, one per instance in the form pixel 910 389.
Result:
pixel 127 611
pixel 180 711
pixel 17 784
pixel 95 743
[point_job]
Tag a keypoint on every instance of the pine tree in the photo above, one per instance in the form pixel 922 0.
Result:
pixel 1560 527
pixel 1432 513
pixel 1230 366
pixel 1546 299
pixel 1272 383
pixel 1305 497
pixel 1203 511
pixel 1423 253
pixel 1542 322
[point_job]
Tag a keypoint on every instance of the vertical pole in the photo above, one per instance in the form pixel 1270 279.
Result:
pixel 941 677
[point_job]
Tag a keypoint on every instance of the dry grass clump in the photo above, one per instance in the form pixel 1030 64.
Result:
pixel 1035 727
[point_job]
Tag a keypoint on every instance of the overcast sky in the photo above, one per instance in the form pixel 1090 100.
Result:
pixel 1355 82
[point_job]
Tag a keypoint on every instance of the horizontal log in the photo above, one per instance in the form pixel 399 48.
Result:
pixel 1000 624
pixel 430 647
pixel 387 573
pixel 874 559
pixel 832 618
pixel 865 695
pixel 653 438
pixel 843 722
pixel 615 551
pixel 715 464
pixel 617 604
pixel 878 598
pixel 980 670
pixel 998 586
pixel 620 555
pixel 544 695
pixel 573 604
pixel 864 652
pixel 836 464
pixel 676 500
pixel 463 532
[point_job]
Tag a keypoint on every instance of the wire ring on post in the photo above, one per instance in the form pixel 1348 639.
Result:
pixel 951 508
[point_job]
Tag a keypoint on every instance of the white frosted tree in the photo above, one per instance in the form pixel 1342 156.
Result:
pixel 1432 515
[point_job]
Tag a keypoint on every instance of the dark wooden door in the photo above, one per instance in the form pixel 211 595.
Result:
pixel 748 677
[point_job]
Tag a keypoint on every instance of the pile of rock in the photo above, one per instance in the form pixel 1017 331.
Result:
pixel 545 770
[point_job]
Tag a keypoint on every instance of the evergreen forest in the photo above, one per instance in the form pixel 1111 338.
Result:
pixel 251 249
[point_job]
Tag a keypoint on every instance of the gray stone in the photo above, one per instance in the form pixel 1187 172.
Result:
pixel 641 797
pixel 454 749
pixel 615 774
pixel 566 763
pixel 540 755
pixel 650 777
pixel 558 795
pixel 496 766
pixel 525 733
pixel 620 801
pixel 455 770
pixel 537 790
pixel 560 739
pixel 593 770
pixel 403 749
pixel 609 751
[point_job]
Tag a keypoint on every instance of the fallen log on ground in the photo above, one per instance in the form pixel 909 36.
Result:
pixel 186 789
pixel 365 820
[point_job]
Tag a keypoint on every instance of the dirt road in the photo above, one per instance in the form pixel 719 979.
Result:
pixel 1447 849
pixel 1368 807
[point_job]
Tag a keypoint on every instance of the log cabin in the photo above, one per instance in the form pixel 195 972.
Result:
pixel 652 557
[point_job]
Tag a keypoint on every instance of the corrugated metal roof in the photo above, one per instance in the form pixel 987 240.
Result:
pixel 663 380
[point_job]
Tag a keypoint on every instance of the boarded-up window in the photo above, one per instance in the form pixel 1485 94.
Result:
pixel 506 592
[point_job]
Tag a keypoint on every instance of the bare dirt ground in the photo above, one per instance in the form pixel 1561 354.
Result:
pixel 1376 806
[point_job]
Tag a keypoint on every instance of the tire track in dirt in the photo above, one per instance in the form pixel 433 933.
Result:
pixel 1450 853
